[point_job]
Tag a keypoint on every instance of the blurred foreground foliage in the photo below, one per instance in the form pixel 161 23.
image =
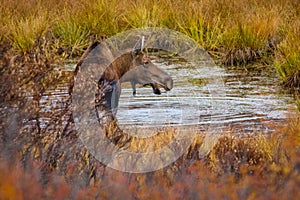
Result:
pixel 41 155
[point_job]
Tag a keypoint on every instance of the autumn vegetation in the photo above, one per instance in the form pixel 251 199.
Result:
pixel 49 162
pixel 235 32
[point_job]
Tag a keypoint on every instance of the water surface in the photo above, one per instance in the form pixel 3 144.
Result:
pixel 207 98
pixel 203 98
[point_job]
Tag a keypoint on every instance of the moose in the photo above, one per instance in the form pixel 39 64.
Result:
pixel 136 68
pixel 133 66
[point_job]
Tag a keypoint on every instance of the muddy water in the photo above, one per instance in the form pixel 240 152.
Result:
pixel 207 99
pixel 204 98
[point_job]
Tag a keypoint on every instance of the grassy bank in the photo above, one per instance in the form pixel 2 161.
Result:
pixel 234 32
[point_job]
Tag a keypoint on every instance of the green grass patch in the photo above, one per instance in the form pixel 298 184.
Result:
pixel 24 33
pixel 71 34
pixel 208 35
pixel 287 60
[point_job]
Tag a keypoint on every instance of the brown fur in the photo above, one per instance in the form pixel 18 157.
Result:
pixel 123 64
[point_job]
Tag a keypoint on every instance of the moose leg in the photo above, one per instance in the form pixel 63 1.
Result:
pixel 116 92
pixel 133 87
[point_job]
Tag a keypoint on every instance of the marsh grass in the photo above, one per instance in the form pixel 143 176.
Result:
pixel 146 14
pixel 27 32
pixel 103 17
pixel 213 24
pixel 237 33
pixel 72 35
pixel 208 35
pixel 288 57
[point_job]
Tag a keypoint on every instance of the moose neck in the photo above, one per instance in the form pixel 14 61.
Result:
pixel 119 67
pixel 109 89
pixel 127 59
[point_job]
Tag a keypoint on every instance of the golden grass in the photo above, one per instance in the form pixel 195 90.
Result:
pixel 248 22
pixel 27 32
pixel 237 32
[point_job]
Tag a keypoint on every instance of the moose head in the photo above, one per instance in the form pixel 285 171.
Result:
pixel 148 74
pixel 145 72
pixel 133 66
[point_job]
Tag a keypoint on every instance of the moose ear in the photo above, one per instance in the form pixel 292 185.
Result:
pixel 139 46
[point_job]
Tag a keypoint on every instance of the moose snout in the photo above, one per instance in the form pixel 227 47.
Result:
pixel 168 84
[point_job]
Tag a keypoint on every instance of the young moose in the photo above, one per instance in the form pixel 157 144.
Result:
pixel 135 67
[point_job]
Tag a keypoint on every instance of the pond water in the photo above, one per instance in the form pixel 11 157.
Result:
pixel 207 99
pixel 203 98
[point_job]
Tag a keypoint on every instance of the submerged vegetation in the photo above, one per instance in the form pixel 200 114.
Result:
pixel 49 160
